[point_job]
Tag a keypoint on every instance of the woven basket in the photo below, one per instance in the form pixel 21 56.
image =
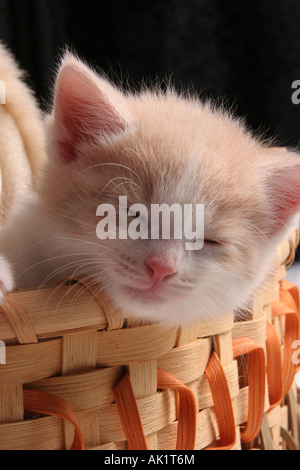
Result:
pixel 78 374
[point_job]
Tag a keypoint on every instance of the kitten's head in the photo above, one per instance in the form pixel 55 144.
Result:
pixel 161 148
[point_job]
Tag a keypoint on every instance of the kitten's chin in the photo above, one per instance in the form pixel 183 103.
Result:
pixel 152 294
pixel 180 307
pixel 152 305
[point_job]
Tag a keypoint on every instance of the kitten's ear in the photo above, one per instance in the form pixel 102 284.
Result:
pixel 84 109
pixel 282 188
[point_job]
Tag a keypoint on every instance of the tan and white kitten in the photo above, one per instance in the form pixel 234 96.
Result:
pixel 154 148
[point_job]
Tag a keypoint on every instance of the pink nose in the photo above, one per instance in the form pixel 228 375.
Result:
pixel 160 270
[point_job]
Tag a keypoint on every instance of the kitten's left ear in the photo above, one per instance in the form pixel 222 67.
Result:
pixel 282 187
pixel 87 108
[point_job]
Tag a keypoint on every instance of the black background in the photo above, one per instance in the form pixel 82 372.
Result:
pixel 246 52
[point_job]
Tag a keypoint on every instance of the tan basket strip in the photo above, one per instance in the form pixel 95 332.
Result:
pixel 134 345
pixel 32 362
pixel 274 424
pixel 84 391
pixel 115 318
pixel 18 320
pixel 187 334
pixel 201 329
pixel 11 404
pixel 56 311
pixel 37 434
pixel 143 377
pixel 207 430
pixel 167 437
pixel 253 329
pixel 223 346
pixel 187 363
pixel 157 411
pixel 79 352
pixel 216 326
pixel 88 422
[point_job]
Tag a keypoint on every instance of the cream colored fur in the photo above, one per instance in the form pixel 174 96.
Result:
pixel 22 137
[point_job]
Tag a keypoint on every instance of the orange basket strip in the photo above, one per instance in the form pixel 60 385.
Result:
pixel 129 414
pixel 288 306
pixel 222 403
pixel 274 367
pixel 256 382
pixel 187 417
pixel 48 404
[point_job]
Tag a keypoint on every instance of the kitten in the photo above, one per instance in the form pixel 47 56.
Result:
pixel 153 148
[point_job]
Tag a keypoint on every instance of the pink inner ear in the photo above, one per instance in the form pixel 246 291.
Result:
pixel 83 114
pixel 284 194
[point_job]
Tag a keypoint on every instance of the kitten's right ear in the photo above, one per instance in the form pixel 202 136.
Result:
pixel 84 110
pixel 281 180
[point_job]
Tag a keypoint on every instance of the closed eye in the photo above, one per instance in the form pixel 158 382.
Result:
pixel 132 213
pixel 211 242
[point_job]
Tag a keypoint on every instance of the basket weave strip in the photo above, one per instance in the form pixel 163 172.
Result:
pixel 288 307
pixel 222 404
pixel 46 403
pixel 114 317
pixel 18 321
pixel 256 381
pixel 274 372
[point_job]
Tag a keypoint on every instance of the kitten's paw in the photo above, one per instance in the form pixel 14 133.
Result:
pixel 6 278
